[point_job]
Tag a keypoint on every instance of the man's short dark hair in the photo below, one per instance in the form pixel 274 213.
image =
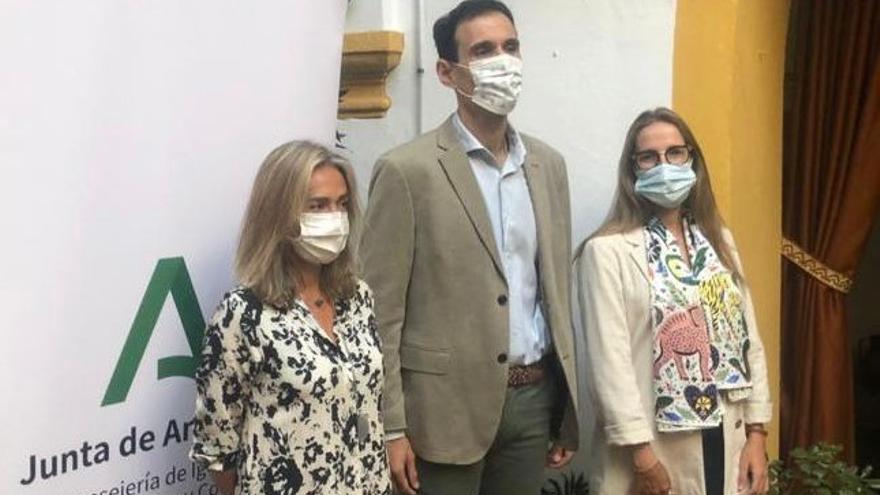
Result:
pixel 444 28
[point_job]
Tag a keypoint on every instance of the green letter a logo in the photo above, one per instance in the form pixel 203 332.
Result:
pixel 171 276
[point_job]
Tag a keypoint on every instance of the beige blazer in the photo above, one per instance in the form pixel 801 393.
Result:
pixel 614 295
pixel 429 255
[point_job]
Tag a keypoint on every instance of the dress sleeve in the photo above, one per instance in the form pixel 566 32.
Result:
pixel 223 383
pixel 611 376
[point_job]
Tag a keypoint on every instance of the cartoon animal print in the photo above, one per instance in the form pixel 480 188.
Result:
pixel 712 294
pixel 684 333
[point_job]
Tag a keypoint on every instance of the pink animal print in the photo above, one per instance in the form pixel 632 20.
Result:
pixel 684 333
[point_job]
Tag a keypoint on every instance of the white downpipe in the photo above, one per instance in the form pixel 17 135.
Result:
pixel 420 68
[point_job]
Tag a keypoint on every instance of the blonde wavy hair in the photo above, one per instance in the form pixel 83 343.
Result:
pixel 630 211
pixel 266 261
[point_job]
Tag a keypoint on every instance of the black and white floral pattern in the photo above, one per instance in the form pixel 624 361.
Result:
pixel 292 412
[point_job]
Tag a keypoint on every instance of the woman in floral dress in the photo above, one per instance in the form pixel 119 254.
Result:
pixel 290 381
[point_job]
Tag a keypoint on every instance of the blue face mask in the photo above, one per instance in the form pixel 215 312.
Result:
pixel 666 185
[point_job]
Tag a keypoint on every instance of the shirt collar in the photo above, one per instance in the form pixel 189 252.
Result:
pixel 470 143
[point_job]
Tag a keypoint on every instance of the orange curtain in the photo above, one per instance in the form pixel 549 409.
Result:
pixel 831 196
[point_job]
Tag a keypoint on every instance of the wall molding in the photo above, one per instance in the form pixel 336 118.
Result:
pixel 367 59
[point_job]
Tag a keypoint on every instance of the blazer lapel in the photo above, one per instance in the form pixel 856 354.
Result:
pixel 457 167
pixel 536 180
pixel 636 240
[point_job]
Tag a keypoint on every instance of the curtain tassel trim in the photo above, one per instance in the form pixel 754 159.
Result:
pixel 815 268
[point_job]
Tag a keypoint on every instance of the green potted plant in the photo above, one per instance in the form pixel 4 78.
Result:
pixel 572 483
pixel 819 471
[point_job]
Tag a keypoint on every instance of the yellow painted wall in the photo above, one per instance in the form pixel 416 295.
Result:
pixel 728 73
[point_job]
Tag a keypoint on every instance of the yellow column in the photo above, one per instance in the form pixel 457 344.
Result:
pixel 727 84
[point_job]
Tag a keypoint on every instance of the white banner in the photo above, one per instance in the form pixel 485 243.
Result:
pixel 130 133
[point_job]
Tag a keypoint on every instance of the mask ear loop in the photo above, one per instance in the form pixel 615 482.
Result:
pixel 462 93
pixel 456 88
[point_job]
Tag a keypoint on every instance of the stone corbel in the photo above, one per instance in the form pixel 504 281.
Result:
pixel 367 58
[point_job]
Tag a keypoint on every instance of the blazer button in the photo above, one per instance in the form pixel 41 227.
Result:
pixel 502 358
pixel 502 299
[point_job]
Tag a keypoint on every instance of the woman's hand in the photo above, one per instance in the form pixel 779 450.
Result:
pixel 753 476
pixel 402 461
pixel 651 477
pixel 225 481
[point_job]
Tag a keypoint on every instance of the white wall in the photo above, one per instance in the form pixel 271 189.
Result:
pixel 131 131
pixel 590 67
pixel 367 139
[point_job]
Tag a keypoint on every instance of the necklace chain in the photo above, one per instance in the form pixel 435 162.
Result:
pixel 317 301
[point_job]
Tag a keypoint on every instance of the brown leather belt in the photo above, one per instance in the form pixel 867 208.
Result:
pixel 522 375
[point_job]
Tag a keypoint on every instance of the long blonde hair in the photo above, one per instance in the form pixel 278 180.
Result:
pixel 630 211
pixel 266 261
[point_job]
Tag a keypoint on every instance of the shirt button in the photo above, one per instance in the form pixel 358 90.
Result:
pixel 502 358
pixel 502 299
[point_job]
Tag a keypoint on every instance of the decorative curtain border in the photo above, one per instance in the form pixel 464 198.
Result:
pixel 815 268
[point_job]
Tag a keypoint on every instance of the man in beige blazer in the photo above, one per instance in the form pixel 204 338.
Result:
pixel 466 246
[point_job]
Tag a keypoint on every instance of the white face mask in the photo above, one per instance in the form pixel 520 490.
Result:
pixel 497 82
pixel 322 236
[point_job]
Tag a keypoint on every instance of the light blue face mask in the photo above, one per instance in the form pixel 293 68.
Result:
pixel 666 185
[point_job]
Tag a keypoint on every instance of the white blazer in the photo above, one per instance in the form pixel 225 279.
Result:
pixel 614 294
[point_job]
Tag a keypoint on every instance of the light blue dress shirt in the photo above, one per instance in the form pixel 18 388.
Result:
pixel 509 205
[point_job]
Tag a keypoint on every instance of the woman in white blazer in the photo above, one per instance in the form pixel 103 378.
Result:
pixel 678 375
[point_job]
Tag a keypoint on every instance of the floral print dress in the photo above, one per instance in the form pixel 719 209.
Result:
pixel 287 408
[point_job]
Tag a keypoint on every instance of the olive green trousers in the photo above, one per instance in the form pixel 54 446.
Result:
pixel 515 462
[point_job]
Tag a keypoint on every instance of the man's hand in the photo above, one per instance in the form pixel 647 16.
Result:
pixel 402 461
pixel 753 466
pixel 558 457
pixel 651 477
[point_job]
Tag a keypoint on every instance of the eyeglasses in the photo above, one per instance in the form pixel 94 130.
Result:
pixel 674 155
